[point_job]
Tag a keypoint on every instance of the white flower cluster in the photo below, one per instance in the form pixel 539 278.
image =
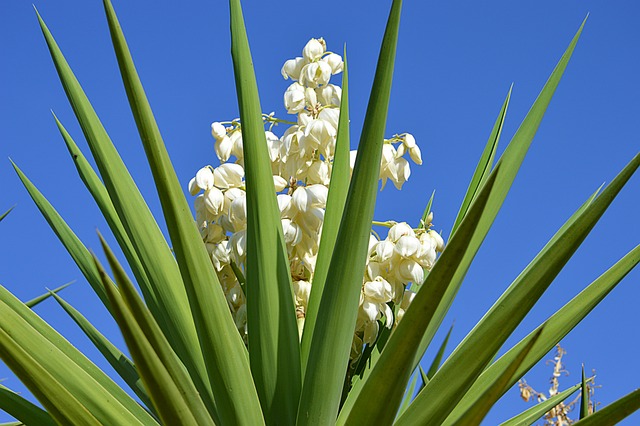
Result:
pixel 301 162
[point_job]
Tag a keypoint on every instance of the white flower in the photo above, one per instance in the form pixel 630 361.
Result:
pixel 228 175
pixel 335 62
pixel 398 230
pixel 409 271
pixel 236 144
pixel 329 94
pixel 437 238
pixel 319 172
pixel 220 255
pixel 292 67
pixel 238 213
pixel 273 146
pixel 223 148
pixel 314 49
pixel 318 134
pixel 193 187
pixel 416 155
pixel 291 231
pixel 315 74
pixel 214 200
pixel 302 290
pixel 279 183
pixel 204 178
pixel 330 115
pixel 294 98
pixel 407 246
pixel 238 245
pixel 218 131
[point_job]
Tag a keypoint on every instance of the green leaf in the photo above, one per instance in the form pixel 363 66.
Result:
pixel 408 395
pixel 99 193
pixel 118 360
pixel 477 350
pixel 33 302
pixel 380 396
pixel 510 162
pixel 23 410
pixel 486 400
pixel 79 253
pixel 484 165
pixel 230 377
pixel 63 379
pixel 614 412
pixel 528 417
pixel 584 397
pixel 336 199
pixel 62 405
pixel 438 358
pixel 168 383
pixel 332 337
pixel 274 348
pixel 555 328
pixel 153 251
pixel 3 215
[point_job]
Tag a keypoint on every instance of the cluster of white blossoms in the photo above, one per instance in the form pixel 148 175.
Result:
pixel 301 162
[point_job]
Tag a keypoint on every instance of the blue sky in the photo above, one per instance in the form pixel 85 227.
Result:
pixel 455 63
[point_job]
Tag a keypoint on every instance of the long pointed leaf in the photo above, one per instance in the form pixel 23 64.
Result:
pixel 23 410
pixel 332 337
pixel 3 215
pixel 475 352
pixel 118 360
pixel 49 351
pixel 528 417
pixel 555 328
pixel 35 301
pixel 484 165
pixel 79 253
pixel 614 412
pixel 477 412
pixel 336 199
pixel 152 249
pixel 584 397
pixel 274 348
pixel 60 403
pixel 435 365
pixel 230 379
pixel 378 400
pixel 510 162
pixel 99 193
pixel 170 388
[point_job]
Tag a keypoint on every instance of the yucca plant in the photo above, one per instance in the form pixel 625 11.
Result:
pixel 258 328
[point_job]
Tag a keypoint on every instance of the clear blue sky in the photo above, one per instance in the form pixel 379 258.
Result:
pixel 455 62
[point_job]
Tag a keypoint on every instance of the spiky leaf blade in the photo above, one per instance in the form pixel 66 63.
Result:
pixel 336 199
pixel 274 348
pixel 167 381
pixel 332 337
pixel 229 379
pixel 477 350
